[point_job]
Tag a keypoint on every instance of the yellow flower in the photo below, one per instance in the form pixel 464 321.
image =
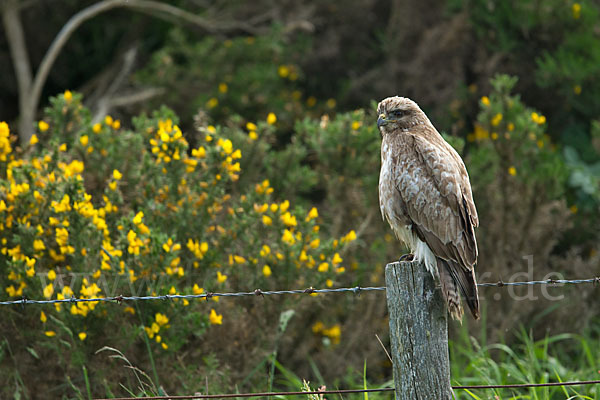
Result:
pixel 84 140
pixel 97 128
pixel 271 118
pixel 511 126
pixel 68 96
pixel 212 102
pixel 200 152
pixel 311 101
pixel 512 171
pixel 108 120
pixel 197 289
pixel 38 245
pixel 317 327
pixel 43 317
pixel 223 87
pixel 283 71
pixel 62 147
pixel 336 259
pixel 323 267
pixel 329 283
pixel 266 271
pixel 220 277
pixel 265 250
pixel 538 119
pixel 161 319
pixel 129 310
pixel 312 214
pixel 50 333
pixel 48 290
pixel 51 275
pixel 253 135
pixel 334 333
pixel 577 89
pixel 214 318
pixel 496 120
pixel 350 236
pixel 315 243
pixel 267 220
pixel 288 237
pixel 494 136
pixel 82 336
pixel 226 145
pixel 138 217
pixel 485 101
pixel 284 206
pixel 239 259
pixel 43 126
pixel 356 125
pixel 164 345
pixel 331 103
pixel 576 8
pixel 289 219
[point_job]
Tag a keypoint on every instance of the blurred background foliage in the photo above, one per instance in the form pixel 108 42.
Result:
pixel 242 153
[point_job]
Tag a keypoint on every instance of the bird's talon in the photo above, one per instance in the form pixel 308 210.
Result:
pixel 407 257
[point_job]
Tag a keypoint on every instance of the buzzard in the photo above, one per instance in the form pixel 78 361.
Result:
pixel 425 196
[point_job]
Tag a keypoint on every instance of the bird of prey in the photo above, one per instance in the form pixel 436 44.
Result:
pixel 425 196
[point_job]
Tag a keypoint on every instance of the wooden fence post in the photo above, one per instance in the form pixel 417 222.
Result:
pixel 418 333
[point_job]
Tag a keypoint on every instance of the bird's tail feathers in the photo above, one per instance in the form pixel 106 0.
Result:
pixel 455 279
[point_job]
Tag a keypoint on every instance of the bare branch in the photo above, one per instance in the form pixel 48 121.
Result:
pixel 20 59
pixel 146 6
pixel 137 97
pixel 103 104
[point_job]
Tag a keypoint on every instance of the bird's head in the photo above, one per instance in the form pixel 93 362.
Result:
pixel 398 113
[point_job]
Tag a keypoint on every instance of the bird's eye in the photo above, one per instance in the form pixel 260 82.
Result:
pixel 397 113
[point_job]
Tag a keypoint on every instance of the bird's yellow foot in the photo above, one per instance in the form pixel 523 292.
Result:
pixel 407 257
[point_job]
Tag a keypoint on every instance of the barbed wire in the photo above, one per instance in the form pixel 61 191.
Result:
pixel 357 290
pixel 264 394
pixel 527 385
pixel 595 280
pixel 348 391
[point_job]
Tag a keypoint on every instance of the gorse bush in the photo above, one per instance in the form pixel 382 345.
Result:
pixel 249 76
pixel 101 209
pixel 95 210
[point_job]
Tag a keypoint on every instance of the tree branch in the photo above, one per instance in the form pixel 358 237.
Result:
pixel 18 50
pixel 145 6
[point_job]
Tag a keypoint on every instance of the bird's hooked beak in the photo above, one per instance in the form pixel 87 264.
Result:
pixel 381 121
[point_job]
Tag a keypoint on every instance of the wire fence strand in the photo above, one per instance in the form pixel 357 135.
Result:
pixel 348 391
pixel 357 290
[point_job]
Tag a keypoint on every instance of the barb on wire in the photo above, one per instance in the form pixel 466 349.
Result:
pixel 347 391
pixel 357 290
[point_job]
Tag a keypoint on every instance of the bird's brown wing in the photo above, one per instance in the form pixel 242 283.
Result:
pixel 434 186
pixel 436 195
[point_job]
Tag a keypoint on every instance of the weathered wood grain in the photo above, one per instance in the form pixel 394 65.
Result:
pixel 418 333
